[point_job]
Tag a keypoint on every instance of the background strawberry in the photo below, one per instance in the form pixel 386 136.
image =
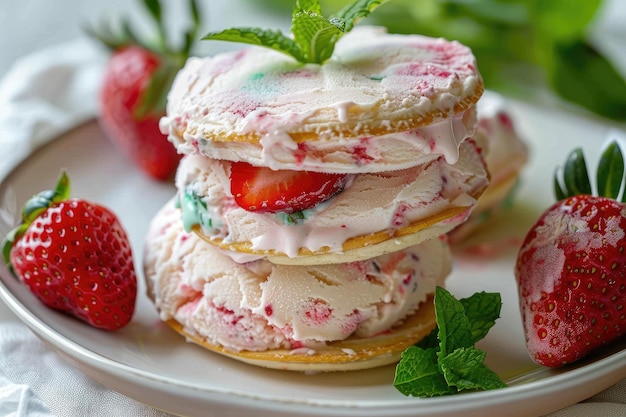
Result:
pixel 571 268
pixel 134 91
pixel 75 257
pixel 264 190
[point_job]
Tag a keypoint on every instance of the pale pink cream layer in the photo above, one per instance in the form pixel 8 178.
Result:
pixel 370 203
pixel 259 306
pixel 373 80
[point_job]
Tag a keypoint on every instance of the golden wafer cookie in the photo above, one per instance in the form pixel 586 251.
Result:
pixel 347 355
pixel 360 247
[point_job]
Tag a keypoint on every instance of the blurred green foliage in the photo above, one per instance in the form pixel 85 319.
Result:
pixel 519 44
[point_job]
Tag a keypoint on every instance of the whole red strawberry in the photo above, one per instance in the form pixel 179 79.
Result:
pixel 75 257
pixel 571 268
pixel 134 91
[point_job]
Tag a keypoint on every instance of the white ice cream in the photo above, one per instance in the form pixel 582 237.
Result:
pixel 259 306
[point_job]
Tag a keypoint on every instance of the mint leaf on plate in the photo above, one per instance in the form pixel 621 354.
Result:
pixel 464 369
pixel 455 330
pixel 482 310
pixel 313 35
pixel 447 361
pixel 421 377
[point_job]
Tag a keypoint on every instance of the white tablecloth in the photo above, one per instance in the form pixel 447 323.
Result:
pixel 41 96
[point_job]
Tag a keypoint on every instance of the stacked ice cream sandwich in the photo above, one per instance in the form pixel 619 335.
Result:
pixel 308 229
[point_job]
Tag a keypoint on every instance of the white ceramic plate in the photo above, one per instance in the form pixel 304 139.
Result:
pixel 150 363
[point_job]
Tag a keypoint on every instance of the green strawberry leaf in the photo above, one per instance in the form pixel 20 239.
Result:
pixel 417 374
pixel 33 208
pixel 154 97
pixel 40 202
pixel 575 174
pixel 154 8
pixel 192 32
pixel 610 173
pixel 314 36
pixel 172 57
pixel 465 369
pixel 559 192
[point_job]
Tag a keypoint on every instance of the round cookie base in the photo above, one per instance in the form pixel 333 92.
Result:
pixel 360 247
pixel 346 355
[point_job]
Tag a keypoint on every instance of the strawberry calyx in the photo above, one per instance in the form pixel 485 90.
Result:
pixel 575 175
pixel 171 57
pixel 36 205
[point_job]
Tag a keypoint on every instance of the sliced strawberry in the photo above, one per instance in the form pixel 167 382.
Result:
pixel 571 267
pixel 264 190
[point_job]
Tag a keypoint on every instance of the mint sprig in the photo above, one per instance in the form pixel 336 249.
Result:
pixel 447 362
pixel 313 35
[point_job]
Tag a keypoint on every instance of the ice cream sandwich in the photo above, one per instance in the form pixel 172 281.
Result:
pixel 308 231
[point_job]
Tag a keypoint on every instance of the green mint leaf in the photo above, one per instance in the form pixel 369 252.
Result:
pixel 482 309
pixel 447 361
pixel 315 36
pixel 312 6
pixel 418 375
pixel 464 369
pixel 455 330
pixel 357 10
pixel 268 38
pixel 430 341
pixel 610 173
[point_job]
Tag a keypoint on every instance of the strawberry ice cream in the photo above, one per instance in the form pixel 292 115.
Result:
pixel 260 306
